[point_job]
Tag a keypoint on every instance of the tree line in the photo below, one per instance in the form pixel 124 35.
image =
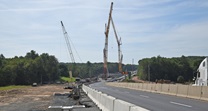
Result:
pixel 88 70
pixel 45 68
pixel 28 69
pixel 177 69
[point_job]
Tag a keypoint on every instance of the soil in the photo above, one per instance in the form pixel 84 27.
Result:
pixel 29 99
pixel 136 79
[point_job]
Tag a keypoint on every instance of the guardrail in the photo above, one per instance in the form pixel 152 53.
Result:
pixel 195 92
pixel 109 103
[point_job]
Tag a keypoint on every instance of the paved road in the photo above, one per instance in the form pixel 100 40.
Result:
pixel 152 101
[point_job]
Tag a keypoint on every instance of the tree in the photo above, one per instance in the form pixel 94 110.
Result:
pixel 1 60
pixel 31 55
pixel 63 70
pixel 169 68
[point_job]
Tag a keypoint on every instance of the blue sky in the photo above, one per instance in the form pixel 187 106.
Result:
pixel 169 28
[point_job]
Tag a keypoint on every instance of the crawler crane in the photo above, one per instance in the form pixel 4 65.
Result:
pixel 105 50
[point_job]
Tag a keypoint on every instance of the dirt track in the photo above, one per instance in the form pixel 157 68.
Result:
pixel 28 99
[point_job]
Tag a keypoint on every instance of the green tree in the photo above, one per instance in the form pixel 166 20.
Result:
pixel 31 55
pixel 63 70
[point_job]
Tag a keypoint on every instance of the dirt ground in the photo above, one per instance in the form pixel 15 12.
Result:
pixel 135 78
pixel 29 99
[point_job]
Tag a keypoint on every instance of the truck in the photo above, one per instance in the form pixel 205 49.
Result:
pixel 201 78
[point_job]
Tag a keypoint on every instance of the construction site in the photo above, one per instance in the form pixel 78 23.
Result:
pixel 60 96
pixel 45 98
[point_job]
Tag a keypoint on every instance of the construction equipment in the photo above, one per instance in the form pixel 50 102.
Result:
pixel 120 56
pixel 105 50
pixel 66 36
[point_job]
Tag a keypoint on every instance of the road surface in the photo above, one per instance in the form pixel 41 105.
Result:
pixel 152 101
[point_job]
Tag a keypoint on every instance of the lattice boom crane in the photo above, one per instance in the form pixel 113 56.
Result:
pixel 66 36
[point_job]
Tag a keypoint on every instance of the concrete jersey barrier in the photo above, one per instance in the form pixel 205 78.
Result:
pixel 109 103
pixel 195 92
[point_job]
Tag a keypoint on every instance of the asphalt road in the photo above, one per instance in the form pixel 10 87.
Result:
pixel 152 101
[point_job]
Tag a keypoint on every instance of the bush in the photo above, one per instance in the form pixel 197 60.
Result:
pixel 180 79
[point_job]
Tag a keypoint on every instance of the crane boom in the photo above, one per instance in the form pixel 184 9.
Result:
pixel 120 56
pixel 66 36
pixel 105 50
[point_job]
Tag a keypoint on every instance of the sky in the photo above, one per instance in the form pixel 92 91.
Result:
pixel 148 28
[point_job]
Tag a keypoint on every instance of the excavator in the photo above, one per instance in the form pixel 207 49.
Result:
pixel 105 50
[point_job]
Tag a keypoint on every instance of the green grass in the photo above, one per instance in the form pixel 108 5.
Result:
pixel 12 87
pixel 67 79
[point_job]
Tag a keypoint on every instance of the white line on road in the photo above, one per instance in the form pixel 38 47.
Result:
pixel 180 104
pixel 144 96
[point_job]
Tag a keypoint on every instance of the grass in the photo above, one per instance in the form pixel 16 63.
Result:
pixel 67 79
pixel 12 87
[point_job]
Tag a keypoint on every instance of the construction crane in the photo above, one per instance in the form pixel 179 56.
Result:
pixel 120 56
pixel 105 50
pixel 66 36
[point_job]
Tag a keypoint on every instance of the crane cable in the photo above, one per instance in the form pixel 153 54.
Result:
pixel 75 49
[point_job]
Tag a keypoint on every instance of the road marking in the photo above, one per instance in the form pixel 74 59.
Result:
pixel 144 96
pixel 180 104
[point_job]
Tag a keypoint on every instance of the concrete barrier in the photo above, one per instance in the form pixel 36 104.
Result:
pixel 204 94
pixel 107 102
pixel 144 86
pixel 134 85
pixel 173 89
pixel 97 98
pixel 130 86
pixel 153 88
pixel 158 88
pixel 136 108
pixel 149 87
pixel 140 86
pixel 120 105
pixel 194 92
pixel 182 90
pixel 165 88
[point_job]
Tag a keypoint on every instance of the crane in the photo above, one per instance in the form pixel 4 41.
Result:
pixel 120 56
pixel 105 50
pixel 66 36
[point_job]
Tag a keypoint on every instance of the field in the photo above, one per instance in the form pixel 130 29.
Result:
pixel 67 79
pixel 24 98
pixel 12 87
